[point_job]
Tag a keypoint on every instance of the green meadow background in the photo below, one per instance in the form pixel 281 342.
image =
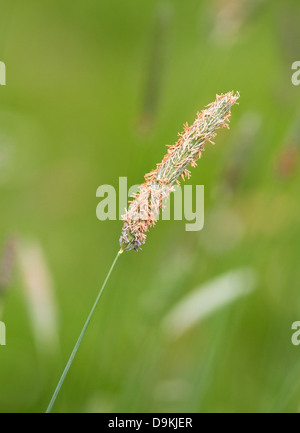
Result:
pixel 95 90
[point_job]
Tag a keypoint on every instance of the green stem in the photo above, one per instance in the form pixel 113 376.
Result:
pixel 69 363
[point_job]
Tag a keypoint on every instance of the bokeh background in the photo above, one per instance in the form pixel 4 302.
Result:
pixel 197 321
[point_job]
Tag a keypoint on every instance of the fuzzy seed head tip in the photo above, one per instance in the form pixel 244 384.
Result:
pixel 144 210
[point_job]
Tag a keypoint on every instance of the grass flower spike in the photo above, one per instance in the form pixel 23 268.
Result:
pixel 144 210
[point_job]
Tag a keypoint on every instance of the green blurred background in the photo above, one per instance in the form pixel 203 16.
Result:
pixel 94 90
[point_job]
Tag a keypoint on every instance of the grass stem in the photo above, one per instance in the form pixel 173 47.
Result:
pixel 69 363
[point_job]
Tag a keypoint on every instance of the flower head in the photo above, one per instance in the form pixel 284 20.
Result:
pixel 144 210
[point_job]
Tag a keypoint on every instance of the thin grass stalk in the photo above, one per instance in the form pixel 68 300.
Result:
pixel 76 347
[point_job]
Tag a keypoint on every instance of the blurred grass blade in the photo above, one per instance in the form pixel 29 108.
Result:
pixel 39 294
pixel 208 298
